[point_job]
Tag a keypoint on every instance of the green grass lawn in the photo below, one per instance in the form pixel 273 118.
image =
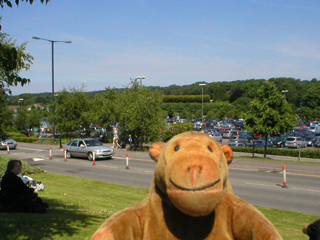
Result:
pixel 79 206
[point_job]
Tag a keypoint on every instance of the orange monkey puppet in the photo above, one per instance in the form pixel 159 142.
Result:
pixel 190 198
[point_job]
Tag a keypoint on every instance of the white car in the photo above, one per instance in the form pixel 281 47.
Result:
pixel 295 142
pixel 217 136
pixel 86 148
pixel 12 144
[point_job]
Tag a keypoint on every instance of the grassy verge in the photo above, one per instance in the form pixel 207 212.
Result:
pixel 79 206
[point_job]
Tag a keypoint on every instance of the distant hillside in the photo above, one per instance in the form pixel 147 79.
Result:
pixel 298 91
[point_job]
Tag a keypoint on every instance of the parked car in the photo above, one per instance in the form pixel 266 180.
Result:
pixel 238 139
pixel 279 141
pixel 85 148
pixel 217 136
pixel 12 144
pixel 260 144
pixel 317 143
pixel 310 140
pixel 249 136
pixel 236 144
pixel 230 133
pixel 295 142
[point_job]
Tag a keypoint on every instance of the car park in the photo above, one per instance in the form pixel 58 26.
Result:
pixel 86 148
pixel 8 142
pixel 295 142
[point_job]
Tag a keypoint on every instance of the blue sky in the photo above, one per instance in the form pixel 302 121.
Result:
pixel 168 41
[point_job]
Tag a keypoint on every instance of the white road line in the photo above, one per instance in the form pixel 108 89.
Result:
pixel 268 185
pixel 39 150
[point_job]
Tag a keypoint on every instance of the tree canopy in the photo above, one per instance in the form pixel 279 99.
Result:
pixel 9 2
pixel 270 113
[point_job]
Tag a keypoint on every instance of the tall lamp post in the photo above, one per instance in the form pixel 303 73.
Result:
pixel 53 98
pixel 202 85
pixel 140 77
pixel 21 101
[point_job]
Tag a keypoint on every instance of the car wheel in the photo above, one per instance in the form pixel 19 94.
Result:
pixel 68 154
pixel 90 156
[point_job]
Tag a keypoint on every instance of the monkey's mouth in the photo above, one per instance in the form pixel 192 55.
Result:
pixel 194 189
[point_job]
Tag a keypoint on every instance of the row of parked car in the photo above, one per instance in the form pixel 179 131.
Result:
pixel 297 138
pixel 289 142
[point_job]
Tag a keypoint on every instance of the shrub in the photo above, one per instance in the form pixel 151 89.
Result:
pixel 27 169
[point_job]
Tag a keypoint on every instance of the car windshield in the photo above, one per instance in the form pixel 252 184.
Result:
pixel 92 142
pixel 291 139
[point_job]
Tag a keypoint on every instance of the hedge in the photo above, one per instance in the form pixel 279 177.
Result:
pixel 281 152
pixel 186 98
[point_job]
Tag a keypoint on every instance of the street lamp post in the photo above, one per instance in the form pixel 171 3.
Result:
pixel 202 85
pixel 21 101
pixel 53 98
pixel 140 77
pixel 285 92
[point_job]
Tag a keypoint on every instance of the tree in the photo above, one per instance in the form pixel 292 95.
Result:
pixel 270 113
pixel 71 111
pixel 34 118
pixel 142 113
pixel 106 108
pixel 13 59
pixel 9 3
pixel 20 120
pixel 6 116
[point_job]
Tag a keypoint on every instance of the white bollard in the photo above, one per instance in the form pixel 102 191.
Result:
pixel 284 176
pixel 127 162
pixel 65 154
pixel 50 152
pixel 94 158
pixel 8 148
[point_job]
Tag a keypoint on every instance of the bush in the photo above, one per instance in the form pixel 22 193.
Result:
pixel 176 129
pixel 26 168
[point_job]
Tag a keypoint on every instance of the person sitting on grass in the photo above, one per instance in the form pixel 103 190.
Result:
pixel 15 195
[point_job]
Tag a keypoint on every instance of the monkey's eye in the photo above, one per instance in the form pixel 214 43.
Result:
pixel 209 148
pixel 177 148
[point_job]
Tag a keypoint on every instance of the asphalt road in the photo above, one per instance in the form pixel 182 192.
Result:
pixel 259 182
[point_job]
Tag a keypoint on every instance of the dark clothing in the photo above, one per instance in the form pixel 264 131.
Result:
pixel 314 230
pixel 16 196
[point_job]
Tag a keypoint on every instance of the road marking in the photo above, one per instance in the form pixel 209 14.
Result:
pixel 38 159
pixel 139 159
pixel 39 150
pixel 270 185
pixel 273 171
